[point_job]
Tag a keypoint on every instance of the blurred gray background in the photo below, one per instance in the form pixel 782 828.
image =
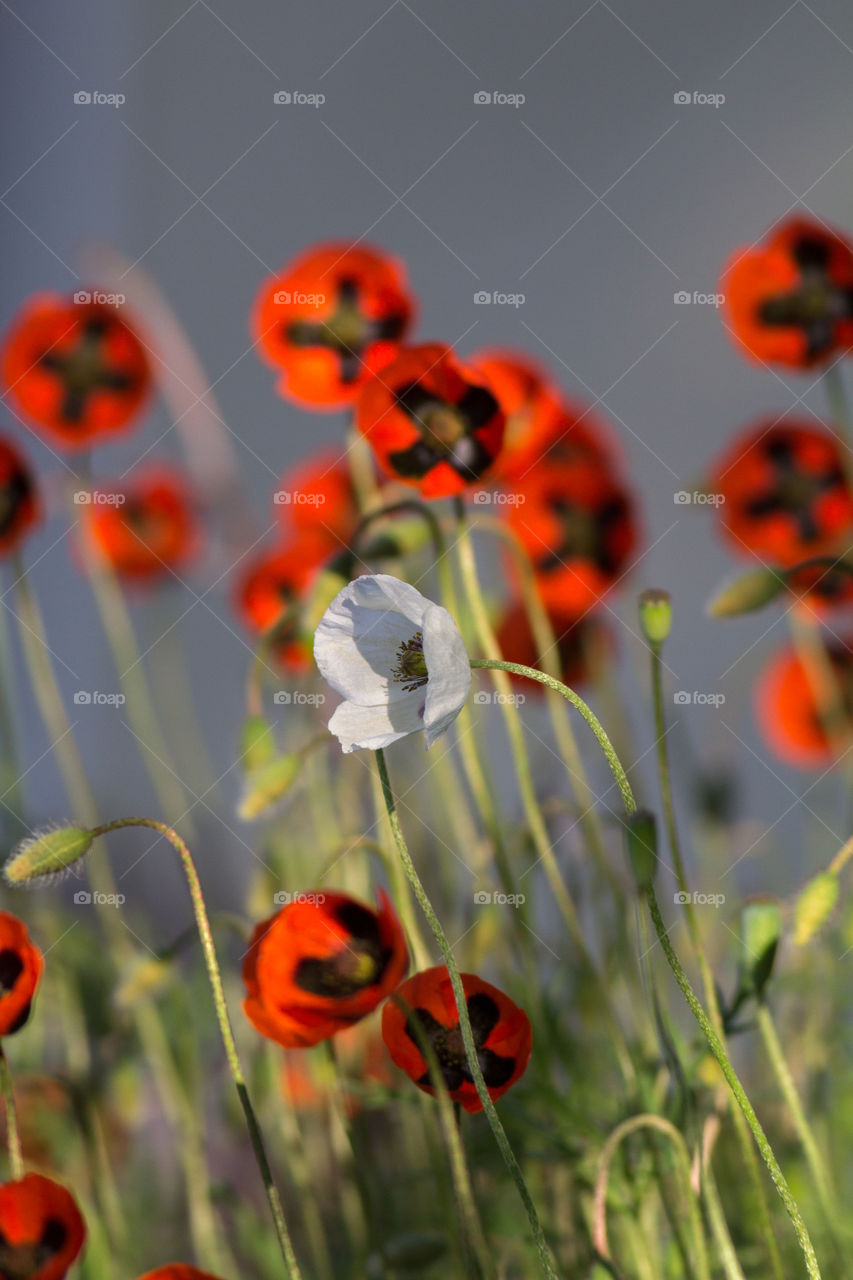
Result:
pixel 598 198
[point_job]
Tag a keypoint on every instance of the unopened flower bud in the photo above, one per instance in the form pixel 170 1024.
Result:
pixel 814 906
pixel 746 593
pixel 760 930
pixel 266 786
pixel 46 854
pixel 655 615
pixel 257 743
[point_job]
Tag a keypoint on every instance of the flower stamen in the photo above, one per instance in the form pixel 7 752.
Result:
pixel 411 665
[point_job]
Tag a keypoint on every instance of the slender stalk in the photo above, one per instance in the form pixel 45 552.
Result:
pixel 13 1137
pixel 440 936
pixel 226 1032
pixel 719 1228
pixel 682 1157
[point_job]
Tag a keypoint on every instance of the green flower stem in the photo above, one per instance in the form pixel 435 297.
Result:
pixel 497 1128
pixel 221 1007
pixel 718 1049
pixel 719 1227
pixel 13 1137
pixel 475 1241
pixel 399 883
pixel 708 985
pixel 546 644
pixel 699 1261
pixel 823 1185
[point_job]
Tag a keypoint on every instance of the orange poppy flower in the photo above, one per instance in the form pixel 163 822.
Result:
pixel 18 503
pixel 75 368
pixel 785 493
pixel 177 1271
pixel 145 528
pixel 578 525
pixel 790 299
pixel 582 644
pixel 270 591
pixel 316 498
pixel 787 710
pixel 41 1230
pixel 431 421
pixel 320 964
pixel 501 1029
pixel 20 973
pixel 334 316
pixel 308 1085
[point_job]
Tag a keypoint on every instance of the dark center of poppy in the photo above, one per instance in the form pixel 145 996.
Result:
pixel 16 490
pixel 794 490
pixel 359 963
pixel 11 968
pixel 447 1044
pixel 411 665
pixel 585 534
pixel 816 304
pixel 83 370
pixel 26 1260
pixel 348 332
pixel 448 431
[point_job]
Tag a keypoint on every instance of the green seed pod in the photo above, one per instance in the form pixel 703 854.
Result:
pixel 46 855
pixel 266 786
pixel 655 615
pixel 814 906
pixel 746 593
pixel 760 930
pixel 641 838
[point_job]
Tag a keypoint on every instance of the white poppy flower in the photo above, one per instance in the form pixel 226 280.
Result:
pixel 397 659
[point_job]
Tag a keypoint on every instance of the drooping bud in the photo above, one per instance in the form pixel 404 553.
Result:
pixel 746 593
pixel 655 615
pixel 760 930
pixel 257 743
pixel 814 906
pixel 330 581
pixel 266 786
pixel 46 855
pixel 397 538
pixel 641 839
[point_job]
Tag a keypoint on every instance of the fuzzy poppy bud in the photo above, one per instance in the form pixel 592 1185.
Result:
pixel 267 785
pixel 655 615
pixel 814 906
pixel 257 743
pixel 746 593
pixel 331 580
pixel 46 854
pixel 398 538
pixel 760 930
pixel 642 847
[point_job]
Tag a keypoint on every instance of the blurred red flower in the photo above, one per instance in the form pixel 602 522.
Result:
pixel 41 1230
pixel 789 707
pixel 145 528
pixel 18 502
pixel 21 967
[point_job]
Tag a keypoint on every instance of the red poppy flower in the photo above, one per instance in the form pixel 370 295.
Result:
pixel 431 421
pixel 789 715
pixel 270 591
pixel 20 972
pixel 502 1035
pixel 146 528
pixel 582 644
pixel 334 316
pixel 578 525
pixel 177 1271
pixel 41 1230
pixel 309 1085
pixel 821 588
pixel 75 368
pixel 790 300
pixel 785 494
pixel 317 498
pixel 18 504
pixel 322 963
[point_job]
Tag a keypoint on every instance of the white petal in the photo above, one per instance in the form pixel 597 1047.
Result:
pixel 356 641
pixel 449 672
pixel 370 728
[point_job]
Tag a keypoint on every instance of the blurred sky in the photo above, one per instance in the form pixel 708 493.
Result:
pixel 598 199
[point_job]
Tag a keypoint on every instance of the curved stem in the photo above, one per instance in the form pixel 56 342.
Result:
pixel 474 1067
pixel 222 1017
pixel 682 1156
pixel 13 1137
